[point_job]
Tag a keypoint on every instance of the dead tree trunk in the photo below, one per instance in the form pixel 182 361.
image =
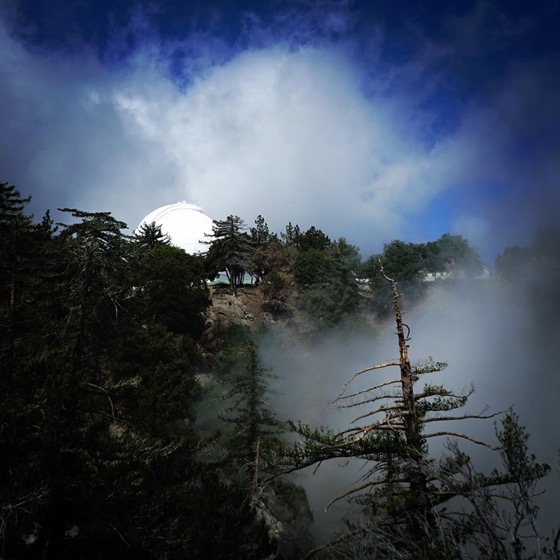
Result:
pixel 419 503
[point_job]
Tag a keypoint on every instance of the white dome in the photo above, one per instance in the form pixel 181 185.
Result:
pixel 185 224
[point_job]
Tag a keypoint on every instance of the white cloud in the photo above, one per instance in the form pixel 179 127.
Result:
pixel 283 132
pixel 280 132
pixel 290 135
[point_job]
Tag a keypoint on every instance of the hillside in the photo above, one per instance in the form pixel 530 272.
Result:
pixel 244 307
pixel 248 307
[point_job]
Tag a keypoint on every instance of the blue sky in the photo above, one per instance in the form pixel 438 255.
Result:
pixel 370 120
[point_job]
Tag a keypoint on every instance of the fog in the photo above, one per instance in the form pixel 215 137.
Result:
pixel 498 337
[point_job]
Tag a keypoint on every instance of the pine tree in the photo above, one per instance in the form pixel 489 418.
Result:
pixel 150 235
pixel 291 236
pixel 500 519
pixel 17 251
pixel 172 290
pixel 405 490
pixel 260 236
pixel 256 427
pixel 99 269
pixel 255 446
pixel 231 250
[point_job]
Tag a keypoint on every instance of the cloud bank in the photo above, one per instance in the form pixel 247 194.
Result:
pixel 296 128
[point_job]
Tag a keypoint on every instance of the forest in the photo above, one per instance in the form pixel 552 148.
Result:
pixel 136 425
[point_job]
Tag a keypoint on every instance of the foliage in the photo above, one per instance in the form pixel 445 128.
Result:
pixel 23 274
pixel 452 253
pixel 276 291
pixel 256 428
pixel 100 454
pixel 154 378
pixel 498 517
pixel 255 446
pixel 403 261
pixel 261 237
pixel 291 236
pixel 346 253
pixel 277 282
pixel 511 262
pixel 101 374
pixel 287 502
pixel 150 235
pixel 546 242
pixel 230 250
pixel 313 238
pixel 97 274
pixel 535 263
pixel 313 267
pixel 405 492
pixel 325 275
pixel 172 289
pixel 408 263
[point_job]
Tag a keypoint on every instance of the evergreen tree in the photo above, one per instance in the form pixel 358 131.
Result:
pixel 278 278
pixel 150 235
pixel 326 279
pixel 260 233
pixel 452 254
pixel 404 262
pixel 172 289
pixel 261 238
pixel 405 490
pixel 313 238
pixel 256 427
pixel 291 236
pixel 18 250
pixel 25 297
pixel 408 263
pixel 501 516
pixel 255 446
pixel 98 282
pixel 513 262
pixel 231 250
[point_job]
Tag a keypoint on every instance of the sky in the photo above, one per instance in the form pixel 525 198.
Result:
pixel 369 120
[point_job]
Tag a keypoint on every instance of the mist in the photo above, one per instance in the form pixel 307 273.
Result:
pixel 498 337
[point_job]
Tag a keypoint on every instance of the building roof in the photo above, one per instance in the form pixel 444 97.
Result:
pixel 185 223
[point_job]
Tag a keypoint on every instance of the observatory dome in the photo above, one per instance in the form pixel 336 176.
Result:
pixel 185 224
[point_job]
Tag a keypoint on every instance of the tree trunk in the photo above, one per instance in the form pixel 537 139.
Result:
pixel 419 511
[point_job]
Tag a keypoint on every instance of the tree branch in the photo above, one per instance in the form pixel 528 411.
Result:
pixel 373 388
pixel 371 368
pixel 462 436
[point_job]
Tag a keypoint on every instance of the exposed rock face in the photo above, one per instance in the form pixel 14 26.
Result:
pixel 242 308
pixel 245 306
pixel 248 307
pixel 251 307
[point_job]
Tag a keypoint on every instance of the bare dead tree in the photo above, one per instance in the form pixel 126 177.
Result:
pixel 405 493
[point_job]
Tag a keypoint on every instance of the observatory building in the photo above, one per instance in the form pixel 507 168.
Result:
pixel 185 223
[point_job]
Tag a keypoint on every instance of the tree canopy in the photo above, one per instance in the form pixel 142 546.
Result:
pixel 138 419
pixel 231 250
